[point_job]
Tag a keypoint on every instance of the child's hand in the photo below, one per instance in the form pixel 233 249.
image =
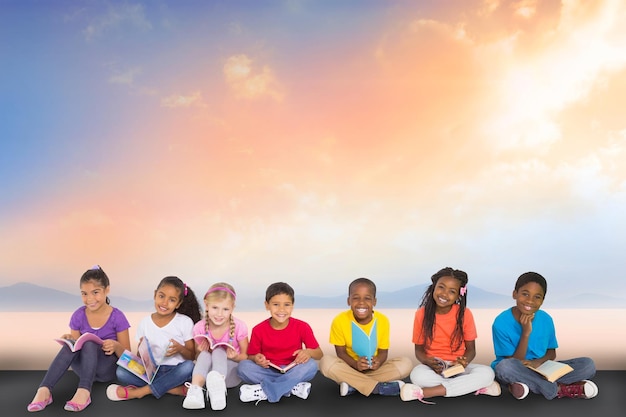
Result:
pixel 204 345
pixel 231 353
pixel 462 360
pixel 301 356
pixel 109 346
pixel 535 363
pixel 173 348
pixel 67 336
pixel 434 364
pixel 375 363
pixel 526 320
pixel 261 360
pixel 363 364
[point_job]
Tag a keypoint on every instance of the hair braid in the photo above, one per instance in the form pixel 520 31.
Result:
pixel 232 328
pixel 206 321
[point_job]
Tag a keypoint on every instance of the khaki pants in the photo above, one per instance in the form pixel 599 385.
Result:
pixel 336 369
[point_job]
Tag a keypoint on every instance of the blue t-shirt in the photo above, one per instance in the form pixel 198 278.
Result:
pixel 506 333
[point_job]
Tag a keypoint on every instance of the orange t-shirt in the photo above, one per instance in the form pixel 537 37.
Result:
pixel 442 333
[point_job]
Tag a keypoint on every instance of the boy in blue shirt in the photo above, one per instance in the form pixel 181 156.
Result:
pixel 525 336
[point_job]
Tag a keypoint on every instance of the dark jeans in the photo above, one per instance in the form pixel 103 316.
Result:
pixel 90 364
pixel 513 370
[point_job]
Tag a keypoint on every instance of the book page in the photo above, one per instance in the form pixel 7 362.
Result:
pixel 145 352
pixel 552 370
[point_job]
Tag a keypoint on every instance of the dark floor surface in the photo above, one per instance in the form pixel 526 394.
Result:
pixel 18 387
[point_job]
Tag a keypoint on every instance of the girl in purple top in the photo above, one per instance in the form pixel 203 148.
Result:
pixel 94 361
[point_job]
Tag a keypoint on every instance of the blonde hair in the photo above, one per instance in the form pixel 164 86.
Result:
pixel 220 291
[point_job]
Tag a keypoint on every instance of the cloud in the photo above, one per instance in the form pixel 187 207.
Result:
pixel 249 83
pixel 178 100
pixel 568 64
pixel 132 15
pixel 525 8
pixel 126 77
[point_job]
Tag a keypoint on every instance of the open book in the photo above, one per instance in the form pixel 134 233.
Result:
pixel 450 370
pixel 284 368
pixel 204 337
pixel 77 344
pixel 552 370
pixel 364 344
pixel 143 365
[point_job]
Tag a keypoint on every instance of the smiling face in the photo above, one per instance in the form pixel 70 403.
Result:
pixel 280 307
pixel 219 311
pixel 94 295
pixel 445 293
pixel 528 298
pixel 362 301
pixel 167 299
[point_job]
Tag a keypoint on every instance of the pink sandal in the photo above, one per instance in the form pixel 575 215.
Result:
pixel 112 392
pixel 72 406
pixel 39 405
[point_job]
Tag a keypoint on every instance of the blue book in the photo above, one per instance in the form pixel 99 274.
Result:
pixel 364 344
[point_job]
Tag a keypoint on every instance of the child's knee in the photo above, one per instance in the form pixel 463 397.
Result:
pixel 507 367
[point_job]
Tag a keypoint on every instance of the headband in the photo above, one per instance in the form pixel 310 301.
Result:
pixel 220 289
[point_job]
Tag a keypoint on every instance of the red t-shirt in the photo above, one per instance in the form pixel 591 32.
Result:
pixel 279 345
pixel 442 333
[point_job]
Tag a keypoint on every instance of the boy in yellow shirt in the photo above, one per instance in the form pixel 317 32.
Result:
pixel 356 366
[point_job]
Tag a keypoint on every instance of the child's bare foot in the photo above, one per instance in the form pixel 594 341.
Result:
pixel 81 396
pixel 42 395
pixel 117 392
pixel 43 398
pixel 180 390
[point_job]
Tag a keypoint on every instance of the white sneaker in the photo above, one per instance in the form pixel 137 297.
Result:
pixel 194 400
pixel 345 389
pixel 216 390
pixel 492 389
pixel 249 393
pixel 591 389
pixel 410 392
pixel 302 390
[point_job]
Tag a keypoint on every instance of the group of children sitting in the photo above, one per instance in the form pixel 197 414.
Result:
pixel 201 357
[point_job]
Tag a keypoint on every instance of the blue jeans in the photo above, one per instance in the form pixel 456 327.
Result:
pixel 512 370
pixel 166 378
pixel 274 383
pixel 90 364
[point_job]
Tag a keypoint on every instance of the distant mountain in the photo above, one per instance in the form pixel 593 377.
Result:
pixel 31 297
pixel 586 300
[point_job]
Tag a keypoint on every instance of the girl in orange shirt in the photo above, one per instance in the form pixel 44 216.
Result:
pixel 444 335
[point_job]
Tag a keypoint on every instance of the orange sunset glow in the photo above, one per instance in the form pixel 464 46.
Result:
pixel 313 142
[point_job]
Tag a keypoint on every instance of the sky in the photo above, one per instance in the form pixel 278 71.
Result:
pixel 313 142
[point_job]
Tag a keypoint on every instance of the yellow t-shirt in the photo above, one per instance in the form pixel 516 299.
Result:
pixel 341 331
